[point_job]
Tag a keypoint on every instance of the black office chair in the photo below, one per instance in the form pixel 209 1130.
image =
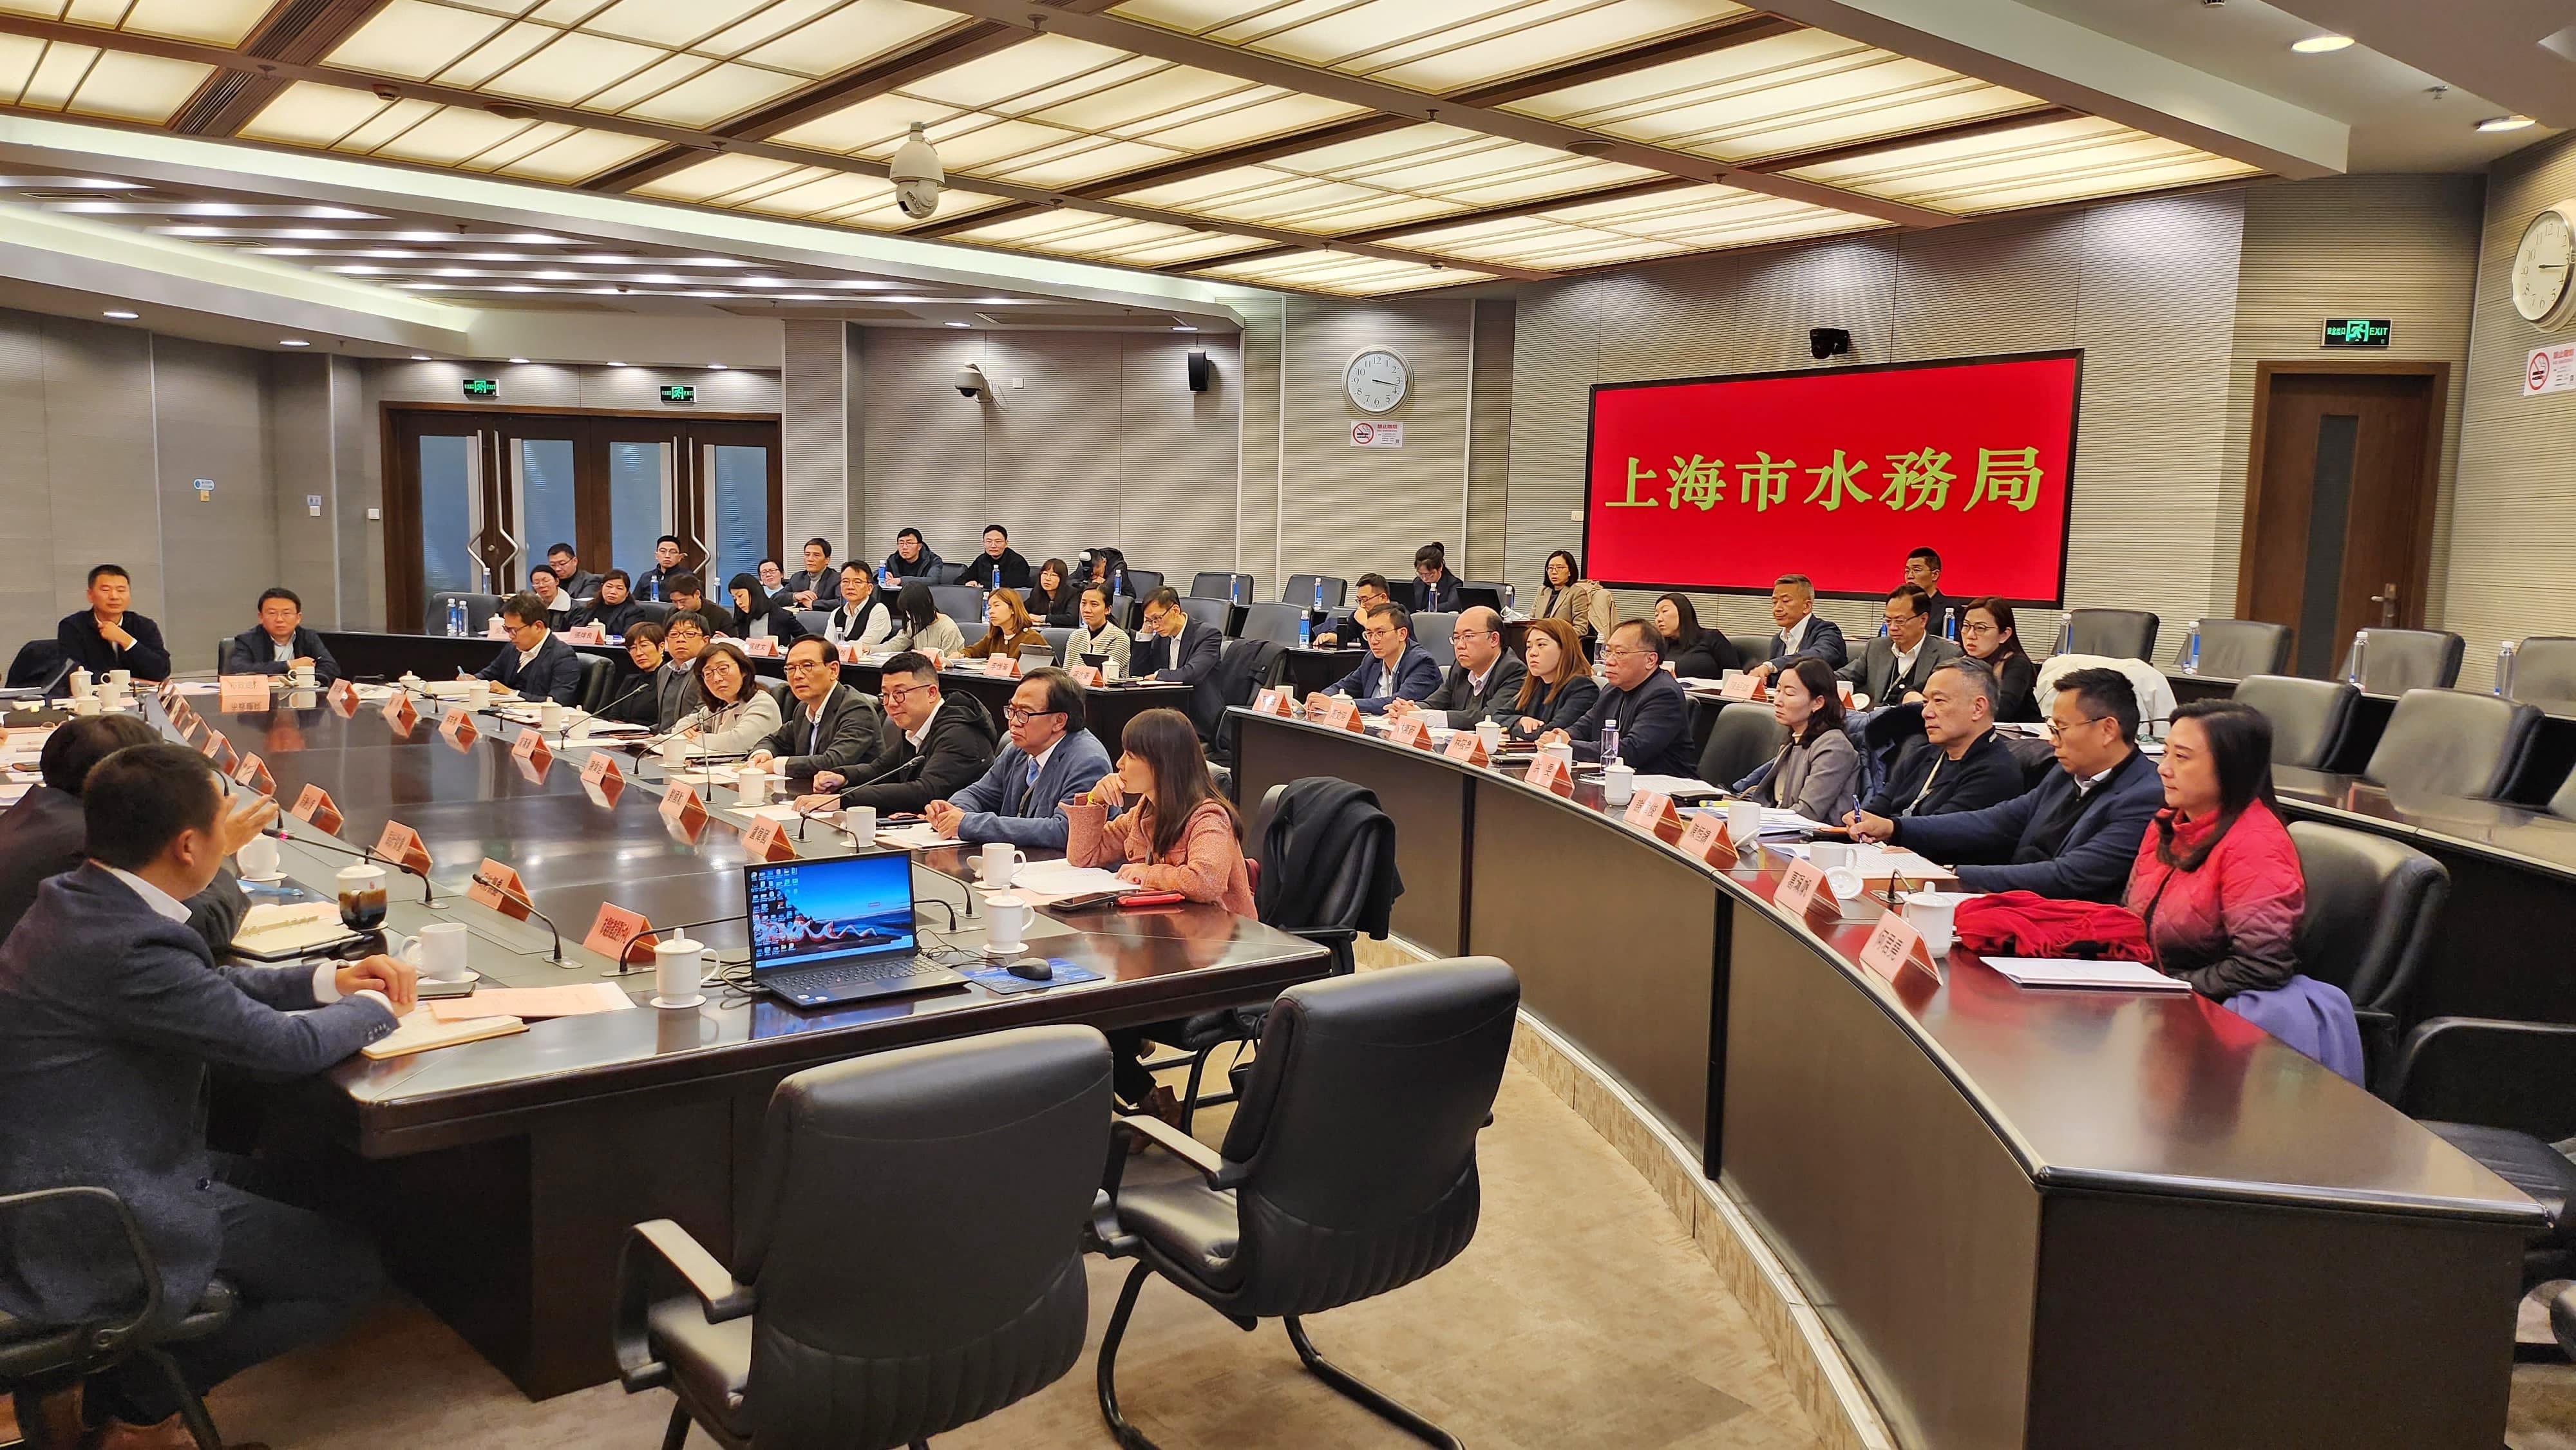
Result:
pixel 479 609
pixel 1431 631
pixel 1276 623
pixel 945 575
pixel 2394 661
pixel 598 678
pixel 1243 666
pixel 2504 1093
pixel 1216 614
pixel 2234 649
pixel 38 1361
pixel 1744 736
pixel 1232 588
pixel 813 621
pixel 1057 638
pixel 2309 717
pixel 1348 1171
pixel 39 665
pixel 909 1261
pixel 1300 590
pixel 1753 649
pixel 2449 742
pixel 657 610
pixel 1142 582
pixel 2541 671
pixel 963 603
pixel 2372 906
pixel 2117 633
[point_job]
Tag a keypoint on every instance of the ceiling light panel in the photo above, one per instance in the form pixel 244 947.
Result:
pixel 334 118
pixel 84 80
pixel 2027 166
pixel 1070 232
pixel 1413 174
pixel 1803 91
pixel 694 64
pixel 1054 111
pixel 1432 45
pixel 1341 273
pixel 212 22
pixel 1664 223
pixel 808 193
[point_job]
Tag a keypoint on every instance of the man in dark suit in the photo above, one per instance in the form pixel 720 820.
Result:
pixel 1966 767
pixel 1051 761
pixel 46 834
pixel 1923 571
pixel 534 662
pixel 280 642
pixel 1803 632
pixel 1482 685
pixel 1173 646
pixel 106 636
pixel 690 595
pixel 1892 668
pixel 111 1012
pixel 944 742
pixel 2076 836
pixel 1652 711
pixel 834 726
pixel 818 584
pixel 1395 668
pixel 574 580
pixel 1342 628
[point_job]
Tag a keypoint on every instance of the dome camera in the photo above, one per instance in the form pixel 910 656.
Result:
pixel 917 176
pixel 970 382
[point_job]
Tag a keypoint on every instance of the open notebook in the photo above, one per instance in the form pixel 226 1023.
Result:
pixel 2086 975
pixel 422 1030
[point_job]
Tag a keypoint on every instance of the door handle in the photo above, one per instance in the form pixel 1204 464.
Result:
pixel 2387 603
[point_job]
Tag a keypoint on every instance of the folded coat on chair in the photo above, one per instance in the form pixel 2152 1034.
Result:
pixel 1323 820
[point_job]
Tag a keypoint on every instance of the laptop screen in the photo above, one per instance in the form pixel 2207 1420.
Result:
pixel 804 913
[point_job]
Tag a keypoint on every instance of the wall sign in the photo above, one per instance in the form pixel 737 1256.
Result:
pixel 2358 332
pixel 482 387
pixel 679 393
pixel 1365 434
pixel 2550 370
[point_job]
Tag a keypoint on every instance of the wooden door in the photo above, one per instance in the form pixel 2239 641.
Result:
pixel 2343 467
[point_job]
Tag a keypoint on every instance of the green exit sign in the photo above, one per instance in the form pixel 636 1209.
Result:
pixel 679 393
pixel 482 387
pixel 2358 332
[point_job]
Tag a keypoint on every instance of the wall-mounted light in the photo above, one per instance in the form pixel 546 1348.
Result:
pixel 2491 123
pixel 2321 44
pixel 122 316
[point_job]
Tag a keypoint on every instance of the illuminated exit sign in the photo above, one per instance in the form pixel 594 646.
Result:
pixel 679 393
pixel 482 387
pixel 2358 332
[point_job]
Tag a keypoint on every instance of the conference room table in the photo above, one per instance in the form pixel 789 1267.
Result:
pixel 501 1174
pixel 2029 1217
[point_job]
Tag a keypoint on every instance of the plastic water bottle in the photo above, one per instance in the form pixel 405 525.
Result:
pixel 1319 596
pixel 997 576
pixel 2506 654
pixel 1305 631
pixel 1949 624
pixel 2191 650
pixel 2352 669
pixel 1609 742
pixel 1233 589
pixel 455 619
pixel 1117 582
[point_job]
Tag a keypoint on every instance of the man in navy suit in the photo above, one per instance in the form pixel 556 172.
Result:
pixel 2073 837
pixel 534 662
pixel 1803 632
pixel 111 1012
pixel 1173 646
pixel 109 636
pixel 1652 711
pixel 1050 761
pixel 280 642
pixel 1396 668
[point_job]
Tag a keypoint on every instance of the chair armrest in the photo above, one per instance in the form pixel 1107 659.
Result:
pixel 147 1271
pixel 1163 1135
pixel 721 1295
pixel 2489 1071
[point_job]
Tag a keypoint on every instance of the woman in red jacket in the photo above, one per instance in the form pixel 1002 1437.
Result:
pixel 2218 884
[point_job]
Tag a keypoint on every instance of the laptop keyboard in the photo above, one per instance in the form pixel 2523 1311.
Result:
pixel 852 974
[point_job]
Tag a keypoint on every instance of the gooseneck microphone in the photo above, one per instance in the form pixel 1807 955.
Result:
pixel 626 953
pixel 521 897
pixel 428 892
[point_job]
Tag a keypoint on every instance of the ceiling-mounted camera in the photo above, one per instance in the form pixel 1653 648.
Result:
pixel 917 175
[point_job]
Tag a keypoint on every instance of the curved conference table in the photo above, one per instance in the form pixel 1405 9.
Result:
pixel 2029 1218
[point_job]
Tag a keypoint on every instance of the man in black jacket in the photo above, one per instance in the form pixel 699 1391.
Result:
pixel 1173 646
pixel 655 584
pixel 834 728
pixel 106 636
pixel 998 554
pixel 46 833
pixel 947 743
pixel 1652 711
pixel 689 595
pixel 280 642
pixel 576 581
pixel 1967 768
pixel 534 662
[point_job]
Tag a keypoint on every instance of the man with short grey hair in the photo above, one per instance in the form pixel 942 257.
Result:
pixel 1485 683
pixel 1968 767
pixel 1803 632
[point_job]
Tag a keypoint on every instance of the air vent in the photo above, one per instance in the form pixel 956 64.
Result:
pixel 203 109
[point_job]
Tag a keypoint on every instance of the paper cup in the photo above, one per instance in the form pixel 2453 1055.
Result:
pixel 1490 732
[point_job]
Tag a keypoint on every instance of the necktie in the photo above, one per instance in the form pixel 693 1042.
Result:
pixel 1028 791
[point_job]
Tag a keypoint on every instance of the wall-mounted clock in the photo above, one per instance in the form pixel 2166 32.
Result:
pixel 1376 379
pixel 2543 267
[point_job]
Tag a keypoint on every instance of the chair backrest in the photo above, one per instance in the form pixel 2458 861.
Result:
pixel 1301 590
pixel 1353 1152
pixel 1233 588
pixel 1057 637
pixel 1753 649
pixel 38 662
pixel 2394 661
pixel 1431 631
pixel 2235 649
pixel 479 609
pixel 656 610
pixel 1341 903
pixel 2309 717
pixel 963 603
pixel 991 1145
pixel 1472 592
pixel 598 676
pixel 947 573
pixel 1241 666
pixel 1276 623
pixel 1744 736
pixel 2543 672
pixel 1141 582
pixel 2451 742
pixel 1216 614
pixel 2373 904
pixel 2121 633
pixel 812 621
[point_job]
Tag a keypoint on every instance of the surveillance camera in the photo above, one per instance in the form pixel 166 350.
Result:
pixel 917 176
pixel 1825 342
pixel 970 382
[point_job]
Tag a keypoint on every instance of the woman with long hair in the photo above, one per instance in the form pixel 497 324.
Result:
pixel 1567 595
pixel 918 624
pixel 1986 631
pixel 734 713
pixel 757 612
pixel 1051 598
pixel 1559 689
pixel 1434 589
pixel 1008 630
pixel 1817 773
pixel 1690 651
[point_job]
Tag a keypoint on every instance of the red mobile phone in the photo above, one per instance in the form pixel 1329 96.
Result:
pixel 1138 900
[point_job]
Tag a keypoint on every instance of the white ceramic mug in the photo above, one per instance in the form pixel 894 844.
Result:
pixel 439 951
pixel 1618 784
pixel 677 964
pixel 552 717
pixel 85 704
pixel 257 859
pixel 861 822
pixel 1006 920
pixel 1934 914
pixel 1491 733
pixel 1109 670
pixel 120 679
pixel 752 783
pixel 1744 823
pixel 675 751
pixel 1562 752
pixel 1002 862
pixel 302 676
pixel 83 684
pixel 478 694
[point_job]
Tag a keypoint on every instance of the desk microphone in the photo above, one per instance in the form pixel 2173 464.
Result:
pixel 428 893
pixel 627 952
pixel 521 898
pixel 852 785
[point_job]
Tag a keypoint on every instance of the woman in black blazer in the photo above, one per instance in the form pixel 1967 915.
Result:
pixel 1559 689
pixel 1690 651
pixel 1986 631
pixel 757 612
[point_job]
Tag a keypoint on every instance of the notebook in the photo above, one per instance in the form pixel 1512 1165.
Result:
pixel 2088 975
pixel 278 931
pixel 422 1030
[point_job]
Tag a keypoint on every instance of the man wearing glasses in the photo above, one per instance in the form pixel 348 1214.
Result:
pixel 1396 668
pixel 1652 711
pixel 1051 760
pixel 838 728
pixel 2073 837
pixel 1484 684
pixel 943 747
pixel 1173 645
pixel 534 663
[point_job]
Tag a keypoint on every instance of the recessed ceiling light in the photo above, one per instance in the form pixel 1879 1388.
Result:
pixel 715 367
pixel 1184 327
pixel 420 357
pixel 2504 123
pixel 2320 44
pixel 292 342
pixel 123 316
pixel 518 360
pixel 961 324
pixel 616 364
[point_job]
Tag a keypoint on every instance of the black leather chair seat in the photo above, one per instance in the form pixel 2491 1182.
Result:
pixel 1188 1224
pixel 710 1363
pixel 2538 1169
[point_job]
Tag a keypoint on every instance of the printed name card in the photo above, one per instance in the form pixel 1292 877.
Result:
pixel 1803 889
pixel 343 699
pixel 1652 811
pixel 458 728
pixel 315 809
pixel 220 751
pixel 1469 747
pixel 1740 687
pixel 1411 730
pixel 1549 774
pixel 1844 687
pixel 765 842
pixel 253 772
pixel 530 748
pixel 1001 667
pixel 586 634
pixel 1342 715
pixel 680 803
pixel 1087 676
pixel 189 725
pixel 241 692
pixel 1894 945
pixel 617 931
pixel 1708 839
pixel 497 886
pixel 400 843
pixel 761 647
pixel 601 767
pixel 849 652
pixel 604 791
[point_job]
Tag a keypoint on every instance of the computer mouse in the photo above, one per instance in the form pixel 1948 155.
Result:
pixel 1033 968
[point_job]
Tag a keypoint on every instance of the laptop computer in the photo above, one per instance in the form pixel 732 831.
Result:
pixel 839 930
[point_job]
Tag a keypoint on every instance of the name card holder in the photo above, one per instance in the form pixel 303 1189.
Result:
pixel 1549 774
pixel 401 843
pixel 1742 687
pixel 1411 730
pixel 496 884
pixel 1468 748
pixel 1893 946
pixel 849 652
pixel 1343 715
pixel 316 809
pixel 765 842
pixel 680 803
pixel 1088 677
pixel 343 700
pixel 220 751
pixel 761 646
pixel 458 728
pixel 617 931
pixel 1708 839
pixel 1804 892
pixel 1653 812
pixel 1001 667
pixel 253 772
pixel 530 748
pixel 400 714
pixel 586 634
pixel 236 693
pixel 600 768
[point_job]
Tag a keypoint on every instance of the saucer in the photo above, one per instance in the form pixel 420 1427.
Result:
pixel 271 879
pixel 693 1000
pixel 470 976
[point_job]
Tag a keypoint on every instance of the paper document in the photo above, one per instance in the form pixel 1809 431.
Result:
pixel 423 1030
pixel 200 687
pixel 1879 862
pixel 444 689
pixel 783 812
pixel 1677 786
pixel 1780 821
pixel 274 929
pixel 573 1001
pixel 1045 883
pixel 2098 976
pixel 919 836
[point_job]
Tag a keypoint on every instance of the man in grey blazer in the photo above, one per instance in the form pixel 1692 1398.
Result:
pixel 1893 667
pixel 111 1012
pixel 835 728
pixel 1051 759
pixel 1482 685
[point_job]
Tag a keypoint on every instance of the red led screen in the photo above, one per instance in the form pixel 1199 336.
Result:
pixel 1728 483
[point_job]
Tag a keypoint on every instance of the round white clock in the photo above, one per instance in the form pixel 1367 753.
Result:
pixel 1376 379
pixel 2543 266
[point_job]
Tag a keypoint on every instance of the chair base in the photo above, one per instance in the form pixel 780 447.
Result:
pixel 1342 1381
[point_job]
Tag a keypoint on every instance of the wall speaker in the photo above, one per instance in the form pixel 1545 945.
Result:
pixel 1199 371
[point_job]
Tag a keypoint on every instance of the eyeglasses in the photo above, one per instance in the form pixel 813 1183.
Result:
pixel 1380 634
pixel 897 694
pixel 1619 652
pixel 1972 627
pixel 1461 635
pixel 801 666
pixel 1017 716
pixel 2056 730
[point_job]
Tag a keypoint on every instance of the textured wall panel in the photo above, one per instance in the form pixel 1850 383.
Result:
pixel 553 385
pixel 1262 351
pixel 1051 472
pixel 301 439
pixel 99 459
pixel 925 444
pixel 27 593
pixel 211 422
pixel 1489 444
pixel 1352 510
pixel 814 434
pixel 1177 483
